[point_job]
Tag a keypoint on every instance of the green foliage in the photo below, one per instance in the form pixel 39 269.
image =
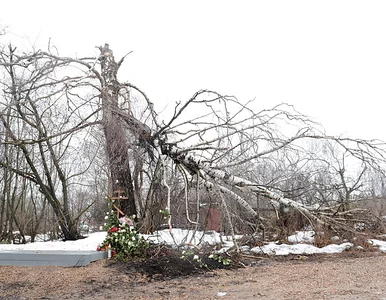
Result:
pixel 221 259
pixel 205 261
pixel 123 239
pixel 165 213
pixel 111 220
pixel 193 257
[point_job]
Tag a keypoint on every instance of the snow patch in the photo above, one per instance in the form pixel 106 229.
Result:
pixel 300 249
pixel 179 237
pixel 380 244
pixel 87 244
pixel 302 237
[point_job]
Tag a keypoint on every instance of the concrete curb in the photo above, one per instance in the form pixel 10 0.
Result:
pixel 50 258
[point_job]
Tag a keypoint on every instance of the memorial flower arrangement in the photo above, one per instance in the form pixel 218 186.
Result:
pixel 122 238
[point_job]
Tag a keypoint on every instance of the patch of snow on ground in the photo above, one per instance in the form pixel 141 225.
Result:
pixel 89 243
pixel 302 237
pixel 284 249
pixel 333 248
pixel 380 244
pixel 182 236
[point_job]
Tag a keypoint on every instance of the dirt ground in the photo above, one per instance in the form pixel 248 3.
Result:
pixel 351 275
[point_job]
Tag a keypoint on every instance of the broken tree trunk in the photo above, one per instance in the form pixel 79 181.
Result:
pixel 211 176
pixel 220 179
pixel 117 146
pixel 193 164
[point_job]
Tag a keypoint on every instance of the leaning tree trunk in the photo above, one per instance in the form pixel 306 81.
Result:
pixel 117 146
pixel 211 176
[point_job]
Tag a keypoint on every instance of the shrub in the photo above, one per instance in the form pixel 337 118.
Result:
pixel 123 239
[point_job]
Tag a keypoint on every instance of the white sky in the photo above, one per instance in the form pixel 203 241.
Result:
pixel 328 58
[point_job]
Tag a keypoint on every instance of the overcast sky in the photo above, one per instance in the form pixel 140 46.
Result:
pixel 327 58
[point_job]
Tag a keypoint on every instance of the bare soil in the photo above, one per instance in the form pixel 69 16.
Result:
pixel 351 275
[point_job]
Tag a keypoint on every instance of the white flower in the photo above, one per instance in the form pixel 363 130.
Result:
pixel 115 233
pixel 210 256
pixel 106 217
pixel 183 252
pixel 133 238
pixel 105 224
pixel 112 211
pixel 195 257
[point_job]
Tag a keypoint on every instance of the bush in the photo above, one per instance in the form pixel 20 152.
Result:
pixel 124 240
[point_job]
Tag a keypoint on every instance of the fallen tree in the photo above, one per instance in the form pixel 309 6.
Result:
pixel 213 176
pixel 217 142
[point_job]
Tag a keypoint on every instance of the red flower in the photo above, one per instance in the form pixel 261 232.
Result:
pixel 114 229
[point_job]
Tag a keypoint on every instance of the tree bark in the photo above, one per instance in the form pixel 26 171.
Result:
pixel 117 146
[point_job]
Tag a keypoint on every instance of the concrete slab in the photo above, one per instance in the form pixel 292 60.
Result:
pixel 50 258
